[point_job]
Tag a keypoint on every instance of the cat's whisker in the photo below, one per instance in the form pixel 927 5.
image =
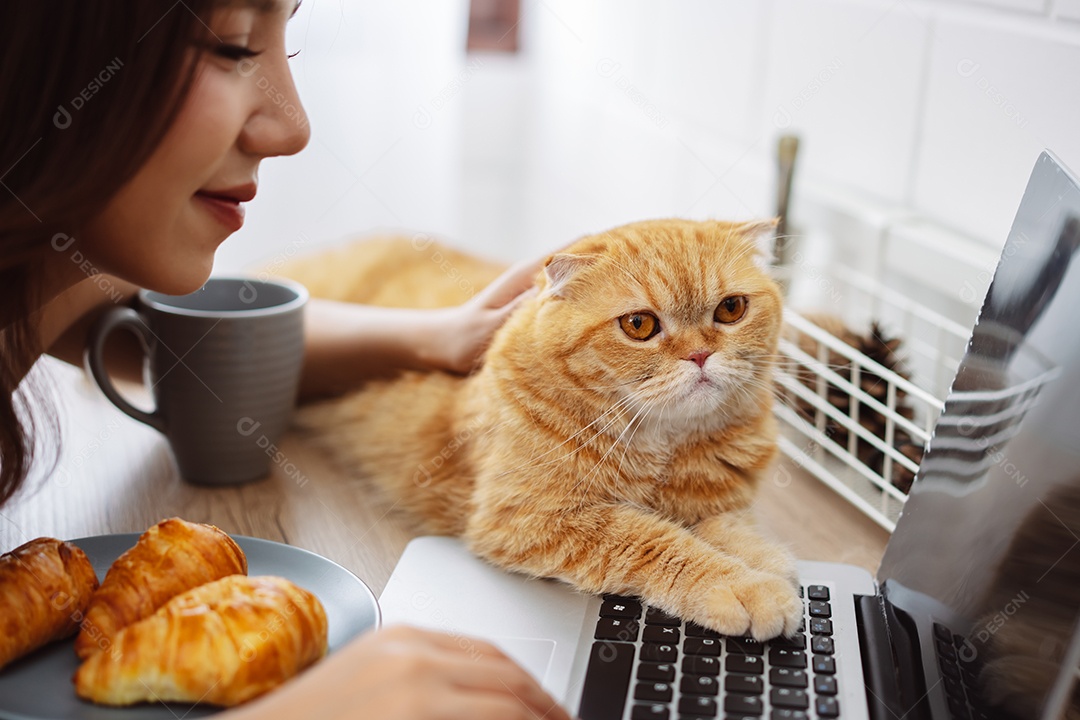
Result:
pixel 607 453
pixel 597 434
pixel 618 405
pixel 630 440
pixel 616 386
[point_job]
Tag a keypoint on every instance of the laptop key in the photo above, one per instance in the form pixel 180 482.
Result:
pixel 959 709
pixel 825 685
pixel 661 634
pixel 953 687
pixel 817 592
pixel 820 626
pixel 946 651
pixel 824 664
pixel 750 704
pixel 699 685
pixel 701 646
pixel 695 630
pixel 788 714
pixel 822 645
pixel 697 705
pixel 748 684
pixel 621 609
pixel 658 652
pixel 949 669
pixel 701 665
pixel 786 657
pixel 649 712
pixel 826 707
pixel 606 681
pixel 655 616
pixel 942 632
pixel 746 646
pixel 620 629
pixel 788 677
pixel 797 640
pixel 656 671
pixel 820 609
pixel 789 697
pixel 745 664
pixel 660 691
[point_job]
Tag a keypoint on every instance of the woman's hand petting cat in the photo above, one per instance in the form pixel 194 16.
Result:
pixel 405 673
pixel 461 334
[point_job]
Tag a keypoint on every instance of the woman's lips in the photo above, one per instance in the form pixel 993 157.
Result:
pixel 228 211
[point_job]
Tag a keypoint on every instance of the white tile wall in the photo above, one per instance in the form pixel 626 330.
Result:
pixel 1067 9
pixel 998 94
pixel 1031 6
pixel 845 76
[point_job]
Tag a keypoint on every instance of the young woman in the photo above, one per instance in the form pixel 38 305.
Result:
pixel 133 133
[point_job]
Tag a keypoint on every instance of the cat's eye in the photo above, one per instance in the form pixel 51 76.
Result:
pixel 731 310
pixel 639 325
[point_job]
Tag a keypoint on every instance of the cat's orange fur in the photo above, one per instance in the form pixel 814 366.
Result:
pixel 577 452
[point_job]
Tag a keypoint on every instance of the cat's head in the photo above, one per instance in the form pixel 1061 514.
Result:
pixel 676 318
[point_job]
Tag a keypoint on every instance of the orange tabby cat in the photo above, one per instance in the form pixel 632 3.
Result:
pixel 616 431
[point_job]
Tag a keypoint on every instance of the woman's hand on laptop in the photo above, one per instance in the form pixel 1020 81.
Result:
pixel 405 673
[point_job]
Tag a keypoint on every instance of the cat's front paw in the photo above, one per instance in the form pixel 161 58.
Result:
pixel 760 604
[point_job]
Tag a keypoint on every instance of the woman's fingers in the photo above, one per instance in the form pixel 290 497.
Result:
pixel 479 670
pixel 514 281
pixel 507 679
pixel 495 708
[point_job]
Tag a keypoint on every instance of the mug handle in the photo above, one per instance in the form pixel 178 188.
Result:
pixel 119 317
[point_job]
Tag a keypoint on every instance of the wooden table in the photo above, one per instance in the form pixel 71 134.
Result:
pixel 116 475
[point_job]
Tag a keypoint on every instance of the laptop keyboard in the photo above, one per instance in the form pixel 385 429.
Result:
pixel 667 669
pixel 959 673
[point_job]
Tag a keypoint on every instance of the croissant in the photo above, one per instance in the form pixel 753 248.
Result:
pixel 169 558
pixel 45 587
pixel 223 643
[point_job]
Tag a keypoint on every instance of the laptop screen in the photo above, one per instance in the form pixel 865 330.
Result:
pixel 989 541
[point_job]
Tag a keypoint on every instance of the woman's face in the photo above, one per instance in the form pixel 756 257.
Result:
pixel 160 231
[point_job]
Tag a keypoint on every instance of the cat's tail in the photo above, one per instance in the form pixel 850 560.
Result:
pixel 407 439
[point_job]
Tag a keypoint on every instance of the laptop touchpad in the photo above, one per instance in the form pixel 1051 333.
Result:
pixel 533 654
pixel 438 584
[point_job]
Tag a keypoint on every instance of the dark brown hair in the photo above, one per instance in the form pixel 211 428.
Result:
pixel 87 91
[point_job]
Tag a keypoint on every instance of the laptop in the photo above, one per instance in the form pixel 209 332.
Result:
pixel 973 612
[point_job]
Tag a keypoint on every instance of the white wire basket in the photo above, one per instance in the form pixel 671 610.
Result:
pixel 825 408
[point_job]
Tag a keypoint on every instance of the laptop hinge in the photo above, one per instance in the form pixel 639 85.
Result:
pixel 890 662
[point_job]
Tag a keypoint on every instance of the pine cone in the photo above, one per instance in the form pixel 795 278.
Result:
pixel 885 351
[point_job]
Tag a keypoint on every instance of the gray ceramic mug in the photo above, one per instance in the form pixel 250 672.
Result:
pixel 223 364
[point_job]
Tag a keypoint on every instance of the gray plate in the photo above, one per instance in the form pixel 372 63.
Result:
pixel 38 687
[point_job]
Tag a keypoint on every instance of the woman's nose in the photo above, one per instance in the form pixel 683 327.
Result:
pixel 279 126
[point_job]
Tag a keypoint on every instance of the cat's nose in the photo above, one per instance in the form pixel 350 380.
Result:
pixel 699 357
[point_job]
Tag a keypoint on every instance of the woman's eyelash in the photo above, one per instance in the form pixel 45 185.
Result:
pixel 235 52
pixel 292 55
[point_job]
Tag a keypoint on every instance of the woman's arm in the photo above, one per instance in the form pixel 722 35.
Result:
pixel 405 673
pixel 346 344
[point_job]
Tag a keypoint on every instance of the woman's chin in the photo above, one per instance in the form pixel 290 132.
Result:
pixel 182 282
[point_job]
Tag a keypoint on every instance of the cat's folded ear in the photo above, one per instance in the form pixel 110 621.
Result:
pixel 560 271
pixel 762 235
